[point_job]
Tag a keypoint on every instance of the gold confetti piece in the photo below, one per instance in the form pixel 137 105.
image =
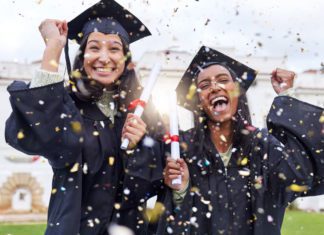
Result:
pixel 191 92
pixel 117 206
pixel 319 151
pixel 80 35
pixel 76 74
pixel 259 135
pixel 297 188
pixel 301 122
pixel 57 129
pixel 154 214
pixel 95 133
pixel 321 120
pixel 54 190
pixel 111 160
pixel 76 126
pixel 53 63
pixel 75 168
pixel 20 135
pixel 244 161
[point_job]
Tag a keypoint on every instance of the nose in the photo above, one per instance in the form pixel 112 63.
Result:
pixel 104 57
pixel 215 86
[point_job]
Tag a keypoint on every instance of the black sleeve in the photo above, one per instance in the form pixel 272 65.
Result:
pixel 44 121
pixel 144 172
pixel 296 164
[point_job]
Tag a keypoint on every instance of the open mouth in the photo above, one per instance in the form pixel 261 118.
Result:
pixel 105 69
pixel 219 103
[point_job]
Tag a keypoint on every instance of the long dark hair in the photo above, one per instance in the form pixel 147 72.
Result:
pixel 241 120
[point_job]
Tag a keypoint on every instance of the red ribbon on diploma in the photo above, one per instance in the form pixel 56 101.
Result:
pixel 136 102
pixel 167 138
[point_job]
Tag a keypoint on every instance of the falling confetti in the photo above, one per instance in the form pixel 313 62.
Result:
pixel 111 160
pixel 20 135
pixel 192 91
pixel 297 188
pixel 153 214
pixel 244 161
pixel 119 230
pixel 76 126
pixel 85 168
pixel 75 168
pixel 207 21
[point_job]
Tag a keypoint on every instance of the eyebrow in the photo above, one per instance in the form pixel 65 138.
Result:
pixel 112 41
pixel 217 76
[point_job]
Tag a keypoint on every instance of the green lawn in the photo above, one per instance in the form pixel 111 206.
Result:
pixel 302 223
pixel 295 223
pixel 17 229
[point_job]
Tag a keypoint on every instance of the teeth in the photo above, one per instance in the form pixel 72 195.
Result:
pixel 104 69
pixel 223 98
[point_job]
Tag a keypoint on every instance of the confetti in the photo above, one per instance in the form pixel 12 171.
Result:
pixel 20 135
pixel 53 63
pixel 297 188
pixel 244 161
pixel 75 168
pixel 223 138
pixel 191 92
pixel 244 172
pixel 76 127
pixel 76 74
pixel 148 141
pixel 321 120
pixel 154 214
pixel 95 133
pixel 111 160
pixel 117 206
pixel 126 191
pixel 85 168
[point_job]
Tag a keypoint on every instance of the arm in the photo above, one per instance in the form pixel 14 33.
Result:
pixel 44 117
pixel 54 33
pixel 296 165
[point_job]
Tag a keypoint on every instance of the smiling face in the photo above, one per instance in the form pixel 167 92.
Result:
pixel 104 59
pixel 218 93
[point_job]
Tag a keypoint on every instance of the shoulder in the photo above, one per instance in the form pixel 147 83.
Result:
pixel 263 139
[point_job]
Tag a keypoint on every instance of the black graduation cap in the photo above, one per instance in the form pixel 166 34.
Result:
pixel 186 89
pixel 108 17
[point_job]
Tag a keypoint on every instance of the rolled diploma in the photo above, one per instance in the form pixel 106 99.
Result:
pixel 144 97
pixel 174 131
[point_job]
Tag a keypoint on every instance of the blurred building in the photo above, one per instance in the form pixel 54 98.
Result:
pixel 25 181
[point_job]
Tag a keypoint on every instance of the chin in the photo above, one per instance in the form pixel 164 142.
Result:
pixel 105 81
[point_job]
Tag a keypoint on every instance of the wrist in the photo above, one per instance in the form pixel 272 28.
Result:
pixel 54 43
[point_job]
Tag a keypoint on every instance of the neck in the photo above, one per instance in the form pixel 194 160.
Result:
pixel 221 135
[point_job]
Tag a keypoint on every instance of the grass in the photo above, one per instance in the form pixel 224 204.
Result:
pixel 295 223
pixel 303 223
pixel 22 229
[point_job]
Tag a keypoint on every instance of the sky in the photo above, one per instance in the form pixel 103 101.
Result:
pixel 288 28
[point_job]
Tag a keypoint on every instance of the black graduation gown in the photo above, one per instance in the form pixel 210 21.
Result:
pixel 83 148
pixel 250 197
